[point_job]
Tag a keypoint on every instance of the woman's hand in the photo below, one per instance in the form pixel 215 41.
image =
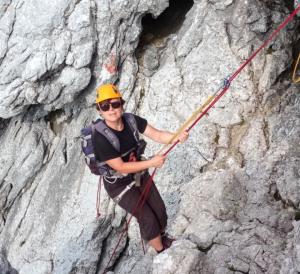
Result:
pixel 183 136
pixel 158 161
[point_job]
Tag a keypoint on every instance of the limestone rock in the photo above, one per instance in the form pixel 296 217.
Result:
pixel 182 257
pixel 232 190
pixel 5 267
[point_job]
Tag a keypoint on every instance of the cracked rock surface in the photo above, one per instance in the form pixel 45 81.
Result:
pixel 231 191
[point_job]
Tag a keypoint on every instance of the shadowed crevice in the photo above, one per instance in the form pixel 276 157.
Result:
pixel 165 24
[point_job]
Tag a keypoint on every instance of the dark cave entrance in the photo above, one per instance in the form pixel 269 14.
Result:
pixel 168 22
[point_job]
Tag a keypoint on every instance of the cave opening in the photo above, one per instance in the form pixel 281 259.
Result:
pixel 297 215
pixel 168 22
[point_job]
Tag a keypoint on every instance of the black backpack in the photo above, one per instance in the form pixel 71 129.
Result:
pixel 87 133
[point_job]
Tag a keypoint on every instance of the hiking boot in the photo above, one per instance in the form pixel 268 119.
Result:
pixel 167 240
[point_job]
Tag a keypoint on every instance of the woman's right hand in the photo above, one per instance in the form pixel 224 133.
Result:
pixel 158 161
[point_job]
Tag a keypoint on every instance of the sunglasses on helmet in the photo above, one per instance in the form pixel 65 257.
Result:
pixel 105 106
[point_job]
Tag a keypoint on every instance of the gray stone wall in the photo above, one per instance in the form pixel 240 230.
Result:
pixel 232 190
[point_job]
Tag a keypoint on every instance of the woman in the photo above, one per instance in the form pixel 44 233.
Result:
pixel 152 218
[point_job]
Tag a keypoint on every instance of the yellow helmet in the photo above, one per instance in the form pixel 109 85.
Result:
pixel 107 91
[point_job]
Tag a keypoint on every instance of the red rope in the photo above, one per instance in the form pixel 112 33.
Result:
pixel 149 182
pixel 281 26
pixel 139 204
pixel 98 197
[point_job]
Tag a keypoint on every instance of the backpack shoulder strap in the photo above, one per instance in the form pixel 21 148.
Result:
pixel 132 124
pixel 103 129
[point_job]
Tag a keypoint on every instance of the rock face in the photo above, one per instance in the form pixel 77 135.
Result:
pixel 5 267
pixel 232 190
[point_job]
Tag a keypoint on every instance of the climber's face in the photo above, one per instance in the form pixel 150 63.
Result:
pixel 111 110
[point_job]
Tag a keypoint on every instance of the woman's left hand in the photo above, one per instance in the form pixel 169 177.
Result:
pixel 183 136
